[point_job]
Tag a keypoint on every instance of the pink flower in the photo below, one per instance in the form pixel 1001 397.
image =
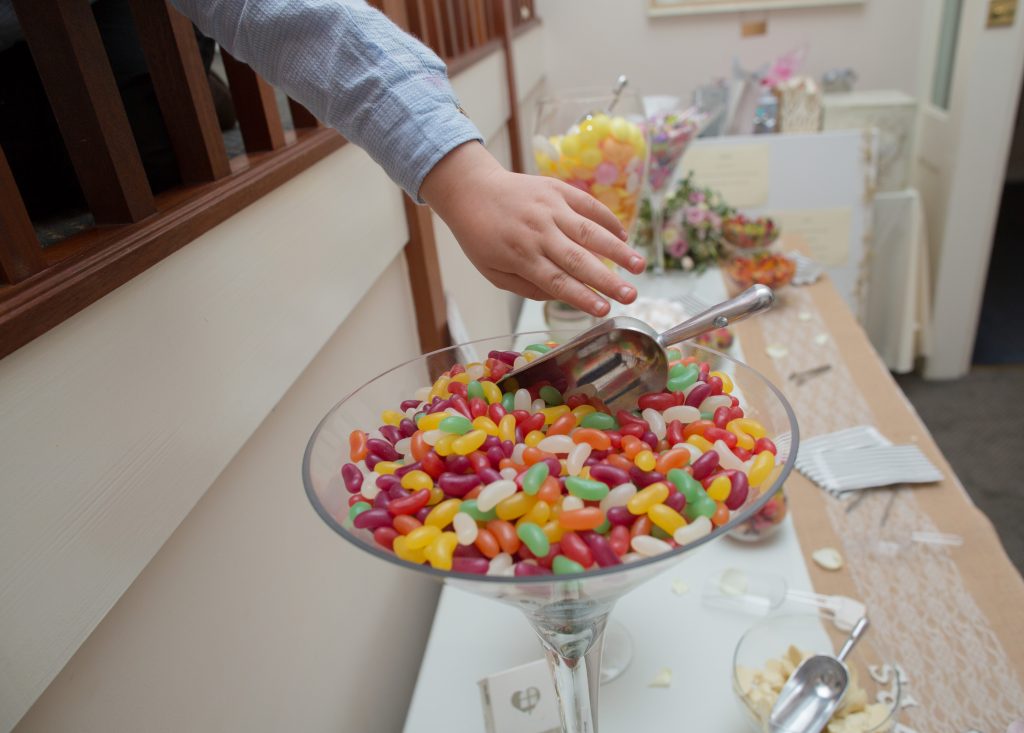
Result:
pixel 695 217
pixel 678 248
pixel 697 197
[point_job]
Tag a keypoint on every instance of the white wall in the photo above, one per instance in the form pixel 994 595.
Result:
pixel 591 42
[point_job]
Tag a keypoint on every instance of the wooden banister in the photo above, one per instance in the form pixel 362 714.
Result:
pixel 182 90
pixel 505 26
pixel 71 61
pixel 255 106
pixel 302 118
pixel 20 253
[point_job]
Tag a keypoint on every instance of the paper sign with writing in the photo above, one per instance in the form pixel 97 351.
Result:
pixel 825 232
pixel 738 172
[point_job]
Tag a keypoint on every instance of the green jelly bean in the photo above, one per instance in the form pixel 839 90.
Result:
pixel 687 485
pixel 470 508
pixel 475 389
pixel 661 534
pixel 679 370
pixel 687 377
pixel 508 401
pixel 586 489
pixel 704 506
pixel 534 477
pixel 539 348
pixel 599 421
pixel 674 355
pixel 456 424
pixel 564 566
pixel 604 527
pixel 356 509
pixel 707 416
pixel 550 395
pixel 534 538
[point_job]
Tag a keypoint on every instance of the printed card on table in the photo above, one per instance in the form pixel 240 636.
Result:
pixel 520 700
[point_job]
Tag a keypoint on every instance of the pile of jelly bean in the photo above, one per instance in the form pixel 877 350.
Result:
pixel 671 134
pixel 470 478
pixel 603 156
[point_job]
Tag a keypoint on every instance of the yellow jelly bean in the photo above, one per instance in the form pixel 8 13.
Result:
pixel 492 392
pixel 531 355
pixel 585 472
pixel 386 467
pixel 645 460
pixel 700 441
pixel 748 426
pixel 486 424
pixel 538 514
pixel 439 552
pixel 402 549
pixel 644 499
pixel 421 537
pixel 436 496
pixel 591 157
pixel 600 124
pixel 553 530
pixel 443 514
pixel 445 444
pixel 431 421
pixel 620 129
pixel 727 385
pixel 390 417
pixel 760 469
pixel 416 480
pixel 507 428
pixel 720 488
pixel 570 146
pixel 462 378
pixel 515 506
pixel 440 388
pixel 553 413
pixel 580 412
pixel 666 517
pixel 466 444
pixel 533 438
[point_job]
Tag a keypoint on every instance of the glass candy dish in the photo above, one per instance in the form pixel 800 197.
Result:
pixel 568 612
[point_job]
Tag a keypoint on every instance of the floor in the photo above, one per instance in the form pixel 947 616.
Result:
pixel 978 423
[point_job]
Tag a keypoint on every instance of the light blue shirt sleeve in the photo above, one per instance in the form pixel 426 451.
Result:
pixel 352 68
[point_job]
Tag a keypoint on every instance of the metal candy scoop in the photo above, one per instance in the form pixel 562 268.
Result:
pixel 622 358
pixel 814 691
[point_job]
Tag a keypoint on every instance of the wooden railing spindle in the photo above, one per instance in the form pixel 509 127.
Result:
pixel 20 253
pixel 182 90
pixel 505 23
pixel 72 63
pixel 302 118
pixel 255 106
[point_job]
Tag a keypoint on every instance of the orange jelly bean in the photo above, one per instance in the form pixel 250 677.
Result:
pixel 418 446
pixel 697 427
pixel 672 459
pixel 535 455
pixel 357 445
pixel 563 425
pixel 631 445
pixel 487 543
pixel 598 439
pixel 721 516
pixel 405 523
pixel 619 461
pixel 505 532
pixel 589 517
pixel 550 491
pixel 641 526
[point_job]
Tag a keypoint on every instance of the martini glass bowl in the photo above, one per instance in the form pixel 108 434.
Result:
pixel 568 612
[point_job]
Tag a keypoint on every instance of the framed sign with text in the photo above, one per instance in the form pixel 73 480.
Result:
pixel 694 7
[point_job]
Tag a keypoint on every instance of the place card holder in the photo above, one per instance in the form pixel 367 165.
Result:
pixel 520 700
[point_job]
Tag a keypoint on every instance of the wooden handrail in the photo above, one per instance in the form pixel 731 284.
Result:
pixel 40 288
pixel 69 56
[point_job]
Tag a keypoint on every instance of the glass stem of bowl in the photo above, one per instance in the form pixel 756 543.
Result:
pixel 657 223
pixel 573 648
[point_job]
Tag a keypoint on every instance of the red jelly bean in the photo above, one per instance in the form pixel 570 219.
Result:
pixel 385 537
pixel 618 540
pixel 624 417
pixel 372 519
pixel 674 432
pixel 352 477
pixel 634 429
pixel 533 422
pixel 496 412
pixel 499 370
pixel 765 444
pixel 608 474
pixel 461 406
pixel 704 465
pixel 721 417
pixel 458 485
pixel 410 504
pixel 698 394
pixel 574 548
pixel 458 389
pixel 659 401
pixel 391 433
pixel 716 433
pixel 408 428
pixel 432 464
pixel 382 449
pixel 527 569
pixel 738 492
pixel 601 549
pixel 409 405
pixel 716 385
pixel 478 407
pixel 407 468
pixel 475 565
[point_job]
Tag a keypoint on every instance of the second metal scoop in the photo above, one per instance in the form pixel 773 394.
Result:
pixel 814 691
pixel 623 358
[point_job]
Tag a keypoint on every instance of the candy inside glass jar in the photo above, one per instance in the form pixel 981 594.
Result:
pixel 597 143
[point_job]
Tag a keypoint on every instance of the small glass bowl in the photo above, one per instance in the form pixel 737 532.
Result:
pixel 744 233
pixel 870 670
pixel 760 266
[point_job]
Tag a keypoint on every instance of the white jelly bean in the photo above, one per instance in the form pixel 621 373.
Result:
pixel 466 528
pixel 619 496
pixel 522 400
pixel 557 444
pixel 508 473
pixel 422 394
pixel 494 493
pixel 693 531
pixel 648 546
pixel 656 422
pixel 572 503
pixel 726 458
pixel 577 457
pixel 631 557
pixel 537 405
pixel 430 437
pixel 404 446
pixel 476 371
pixel 519 363
pixel 370 489
pixel 683 413
pixel 713 402
pixel 499 564
pixel 517 453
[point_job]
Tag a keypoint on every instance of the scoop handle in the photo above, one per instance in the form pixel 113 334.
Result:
pixel 854 637
pixel 752 300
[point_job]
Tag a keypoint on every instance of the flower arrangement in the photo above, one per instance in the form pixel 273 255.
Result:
pixel 691 226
